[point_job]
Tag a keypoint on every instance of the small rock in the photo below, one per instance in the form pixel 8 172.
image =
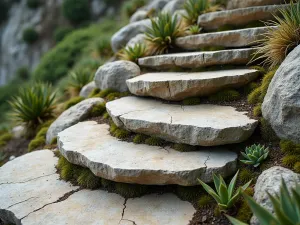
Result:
pixel 114 75
pixel 138 15
pixel 12 158
pixel 71 116
pixel 87 89
pixel 18 131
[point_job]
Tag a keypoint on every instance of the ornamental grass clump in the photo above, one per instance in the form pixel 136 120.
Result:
pixel 33 105
pixel 79 78
pixel 133 53
pixel 163 33
pixel 279 42
pixel 225 195
pixel 255 155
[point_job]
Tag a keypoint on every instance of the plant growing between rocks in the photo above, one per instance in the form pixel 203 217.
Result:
pixel 133 53
pixel 193 30
pixel 79 78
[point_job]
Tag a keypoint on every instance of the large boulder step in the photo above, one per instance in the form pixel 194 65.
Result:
pixel 238 17
pixel 198 59
pixel 90 145
pixel 204 125
pixel 233 38
pixel 176 86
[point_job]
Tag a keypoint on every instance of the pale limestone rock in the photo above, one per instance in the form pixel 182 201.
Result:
pixel 122 161
pixel 198 59
pixel 233 38
pixel 234 4
pixel 18 131
pixel 173 6
pixel 72 116
pixel 138 15
pixel 29 183
pixel 179 86
pixel 87 89
pixel 205 125
pixel 138 39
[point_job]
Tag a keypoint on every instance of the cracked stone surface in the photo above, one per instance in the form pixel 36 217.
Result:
pixel 29 183
pixel 178 86
pixel 126 162
pixel 198 59
pixel 205 125
pixel 233 38
pixel 238 17
pixel 160 209
pixel 72 116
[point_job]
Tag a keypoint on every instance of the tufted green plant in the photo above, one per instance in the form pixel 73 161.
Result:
pixel 133 53
pixel 224 195
pixel 139 138
pixel 225 96
pixel 34 104
pixel 194 29
pixel 154 141
pixel 255 155
pixel 286 207
pixel 87 179
pixel 79 78
pixel 162 33
pixel 131 190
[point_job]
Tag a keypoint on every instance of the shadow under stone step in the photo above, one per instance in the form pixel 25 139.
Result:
pixel 233 38
pixel 198 59
pixel 204 125
pixel 238 17
pixel 179 86
pixel 90 144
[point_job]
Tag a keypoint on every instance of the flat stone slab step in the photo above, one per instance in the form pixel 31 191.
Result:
pixel 238 17
pixel 198 59
pixel 31 193
pixel 90 145
pixel 178 86
pixel 233 38
pixel 205 125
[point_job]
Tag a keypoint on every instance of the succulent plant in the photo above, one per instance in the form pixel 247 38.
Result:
pixel 255 155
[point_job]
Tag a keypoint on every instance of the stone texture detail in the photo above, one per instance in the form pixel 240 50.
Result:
pixel 87 89
pixel 198 59
pixel 281 106
pixel 204 125
pixel 233 38
pixel 179 86
pixel 72 116
pixel 237 17
pixel 234 4
pixel 121 161
pixel 270 181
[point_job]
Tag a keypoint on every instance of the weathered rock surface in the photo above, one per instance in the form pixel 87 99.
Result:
pixel 121 161
pixel 234 4
pixel 205 125
pixel 198 59
pixel 281 106
pixel 138 39
pixel 233 38
pixel 173 6
pixel 120 39
pixel 270 181
pixel 28 183
pixel 114 75
pixel 237 17
pixel 138 16
pixel 178 86
pixel 72 116
pixel 87 89
pixel 18 131
pixel 160 209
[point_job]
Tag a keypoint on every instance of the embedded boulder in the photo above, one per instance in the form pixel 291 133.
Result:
pixel 139 15
pixel 173 6
pixel 87 89
pixel 114 75
pixel 270 181
pixel 138 39
pixel 281 106
pixel 72 116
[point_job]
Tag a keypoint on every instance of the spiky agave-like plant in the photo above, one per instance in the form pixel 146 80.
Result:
pixel 133 53
pixel 162 33
pixel 79 78
pixel 194 8
pixel 255 155
pixel 279 42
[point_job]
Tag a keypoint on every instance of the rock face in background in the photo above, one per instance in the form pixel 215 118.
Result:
pixel 270 181
pixel 281 106
pixel 14 52
pixel 234 4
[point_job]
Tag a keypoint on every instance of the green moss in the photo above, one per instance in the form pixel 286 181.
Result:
pixel 188 193
pixel 225 96
pixel 98 110
pixel 245 175
pixel 247 89
pixel 87 179
pixel 107 183
pixel 261 69
pixel 113 96
pixel 265 84
pixel 68 171
pixel 139 138
pixel 257 110
pixel 36 143
pixel 249 191
pixel 106 115
pixel 191 101
pixel 42 132
pixel 113 127
pixel 297 167
pixel 73 101
pixel 121 133
pixel 62 161
pixel 244 213
pixel 289 147
pixel 254 96
pixel 184 148
pixel 53 141
pixel 6 137
pixel 290 160
pixel 131 190
pixel 267 132
pixel 205 201
pixel 94 92
pixel 105 93
pixel 154 141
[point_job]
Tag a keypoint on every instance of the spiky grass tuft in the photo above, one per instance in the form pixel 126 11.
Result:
pixel 257 110
pixel 289 147
pixel 131 190
pixel 184 148
pixel 121 133
pixel 79 78
pixel 193 30
pixel 225 96
pixel 140 138
pixel 191 101
pixel 154 141
pixel 133 53
pixel 87 179
pixel 254 96
pixel 204 201
pixel 245 175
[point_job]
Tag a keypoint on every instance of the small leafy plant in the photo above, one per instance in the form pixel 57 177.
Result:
pixel 255 155
pixel 163 32
pixel 133 53
pixel 79 78
pixel 194 29
pixel 286 206
pixel 224 195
